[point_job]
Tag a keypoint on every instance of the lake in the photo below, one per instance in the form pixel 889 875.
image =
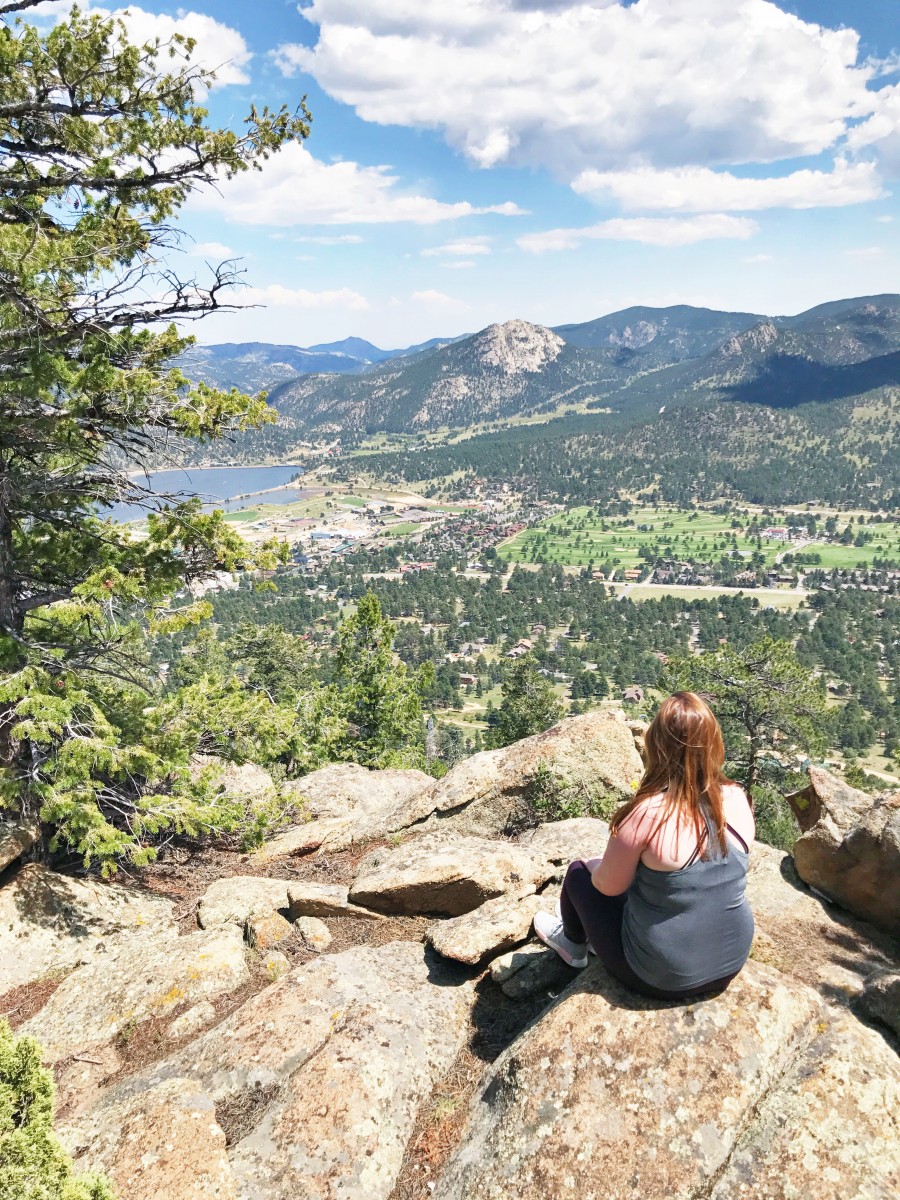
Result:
pixel 228 488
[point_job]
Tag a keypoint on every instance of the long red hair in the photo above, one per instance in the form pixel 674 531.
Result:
pixel 685 760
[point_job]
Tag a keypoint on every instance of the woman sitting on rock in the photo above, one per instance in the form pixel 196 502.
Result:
pixel 665 908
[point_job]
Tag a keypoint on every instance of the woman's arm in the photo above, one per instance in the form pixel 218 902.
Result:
pixel 615 871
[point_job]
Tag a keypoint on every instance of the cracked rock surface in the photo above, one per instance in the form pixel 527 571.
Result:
pixel 760 1092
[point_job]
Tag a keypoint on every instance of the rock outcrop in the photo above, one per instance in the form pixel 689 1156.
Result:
pixel 593 757
pixel 345 803
pixel 850 847
pixel 312 1087
pixel 252 1076
pixel 51 922
pixel 754 1092
pixel 149 974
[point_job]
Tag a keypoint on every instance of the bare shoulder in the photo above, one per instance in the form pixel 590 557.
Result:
pixel 738 812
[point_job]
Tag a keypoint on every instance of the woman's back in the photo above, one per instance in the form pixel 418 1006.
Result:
pixel 684 927
pixel 671 842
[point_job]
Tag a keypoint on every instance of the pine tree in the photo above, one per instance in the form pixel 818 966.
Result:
pixel 529 704
pixel 33 1165
pixel 103 141
pixel 765 699
pixel 380 698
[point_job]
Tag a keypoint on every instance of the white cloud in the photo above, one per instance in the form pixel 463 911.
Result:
pixel 438 302
pixel 340 239
pixel 881 132
pixel 293 188
pixel 759 258
pixel 459 264
pixel 592 83
pixel 459 248
pixel 700 189
pixel 653 231
pixel 219 48
pixel 865 252
pixel 211 250
pixel 278 296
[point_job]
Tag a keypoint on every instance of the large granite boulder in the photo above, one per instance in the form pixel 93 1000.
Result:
pixel 445 874
pixel 50 922
pixel 762 1091
pixel 850 847
pixel 345 803
pixel 310 1089
pixel 805 936
pixel 592 756
pixel 16 839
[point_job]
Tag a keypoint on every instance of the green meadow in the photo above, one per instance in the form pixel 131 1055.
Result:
pixel 579 537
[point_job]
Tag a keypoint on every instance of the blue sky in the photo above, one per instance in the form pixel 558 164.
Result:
pixel 477 160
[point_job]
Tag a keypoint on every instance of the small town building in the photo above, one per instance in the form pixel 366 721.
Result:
pixel 633 695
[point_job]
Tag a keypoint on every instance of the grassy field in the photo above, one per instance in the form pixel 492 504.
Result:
pixel 579 537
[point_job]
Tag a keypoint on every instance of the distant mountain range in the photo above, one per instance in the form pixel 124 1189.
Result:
pixel 258 366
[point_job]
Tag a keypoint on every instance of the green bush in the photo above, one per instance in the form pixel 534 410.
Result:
pixel 775 823
pixel 33 1165
pixel 550 796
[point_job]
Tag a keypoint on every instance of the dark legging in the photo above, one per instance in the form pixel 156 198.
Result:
pixel 590 915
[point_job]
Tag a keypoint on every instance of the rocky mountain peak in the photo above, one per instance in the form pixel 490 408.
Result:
pixel 757 339
pixel 517 346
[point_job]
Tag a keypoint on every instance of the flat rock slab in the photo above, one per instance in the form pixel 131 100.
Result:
pixel 136 978
pixel 495 927
pixel 324 900
pixel 237 898
pixel 50 922
pixel 16 838
pixel 610 1094
pixel 164 1143
pixel 318 1080
pixel 565 841
pixel 442 874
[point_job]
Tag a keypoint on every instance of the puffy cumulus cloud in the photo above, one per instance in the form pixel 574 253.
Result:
pixel 439 302
pixel 881 132
pixel 459 248
pixel 700 189
pixel 219 48
pixel 293 188
pixel 581 84
pixel 275 295
pixel 653 231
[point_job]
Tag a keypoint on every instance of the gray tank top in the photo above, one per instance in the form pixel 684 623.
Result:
pixel 688 927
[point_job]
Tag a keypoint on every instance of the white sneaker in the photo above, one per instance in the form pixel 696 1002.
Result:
pixel 550 930
pixel 591 949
